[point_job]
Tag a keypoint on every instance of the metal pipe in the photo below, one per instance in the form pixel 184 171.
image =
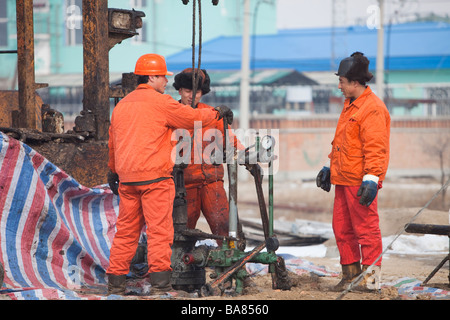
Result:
pixel 29 116
pixel 270 198
pixel 233 221
pixel 232 183
pixel 96 66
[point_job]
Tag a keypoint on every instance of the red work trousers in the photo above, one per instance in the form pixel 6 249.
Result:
pixel 150 204
pixel 356 227
pixel 212 200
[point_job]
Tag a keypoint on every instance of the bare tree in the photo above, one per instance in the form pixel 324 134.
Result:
pixel 440 148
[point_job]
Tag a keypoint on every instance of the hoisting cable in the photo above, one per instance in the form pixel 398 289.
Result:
pixel 195 74
pixel 362 275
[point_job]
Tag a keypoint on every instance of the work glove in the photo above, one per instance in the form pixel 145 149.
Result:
pixel 323 179
pixel 225 112
pixel 368 190
pixel 113 181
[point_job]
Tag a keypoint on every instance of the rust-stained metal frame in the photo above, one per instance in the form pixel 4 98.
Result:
pixel 27 116
pixel 99 36
pixel 83 153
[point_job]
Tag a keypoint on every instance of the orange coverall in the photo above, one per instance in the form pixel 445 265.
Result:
pixel 360 147
pixel 204 181
pixel 140 146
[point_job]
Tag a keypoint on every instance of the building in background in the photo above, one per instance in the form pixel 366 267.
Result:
pixel 293 69
pixel 417 68
pixel 167 29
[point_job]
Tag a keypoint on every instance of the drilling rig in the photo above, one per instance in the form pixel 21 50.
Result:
pixel 83 151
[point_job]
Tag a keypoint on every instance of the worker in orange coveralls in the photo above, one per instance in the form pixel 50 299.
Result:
pixel 204 180
pixel 358 163
pixel 140 147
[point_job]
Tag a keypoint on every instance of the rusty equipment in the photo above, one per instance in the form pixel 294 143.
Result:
pixel 442 230
pixel 83 151
pixel 189 262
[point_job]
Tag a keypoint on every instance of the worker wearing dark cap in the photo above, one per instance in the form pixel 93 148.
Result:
pixel 358 163
pixel 204 175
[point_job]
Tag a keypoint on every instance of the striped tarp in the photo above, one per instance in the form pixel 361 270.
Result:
pixel 55 234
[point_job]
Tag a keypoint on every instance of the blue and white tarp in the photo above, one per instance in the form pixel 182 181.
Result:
pixel 55 234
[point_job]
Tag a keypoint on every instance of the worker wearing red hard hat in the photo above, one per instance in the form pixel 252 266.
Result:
pixel 358 163
pixel 203 179
pixel 140 146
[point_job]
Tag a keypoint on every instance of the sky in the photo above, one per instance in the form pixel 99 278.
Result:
pixel 292 14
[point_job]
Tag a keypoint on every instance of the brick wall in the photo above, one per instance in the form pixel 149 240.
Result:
pixel 304 145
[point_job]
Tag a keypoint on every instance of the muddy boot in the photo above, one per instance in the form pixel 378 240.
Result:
pixel 371 280
pixel 349 273
pixel 117 284
pixel 160 282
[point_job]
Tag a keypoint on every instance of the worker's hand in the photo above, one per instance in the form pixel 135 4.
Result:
pixel 368 190
pixel 323 179
pixel 225 112
pixel 113 181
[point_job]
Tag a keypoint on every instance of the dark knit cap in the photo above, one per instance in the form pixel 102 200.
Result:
pixel 184 80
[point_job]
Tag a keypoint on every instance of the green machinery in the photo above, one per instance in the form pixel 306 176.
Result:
pixel 228 261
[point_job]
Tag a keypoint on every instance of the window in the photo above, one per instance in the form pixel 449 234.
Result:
pixel 3 25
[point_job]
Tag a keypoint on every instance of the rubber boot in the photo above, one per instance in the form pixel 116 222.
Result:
pixel 371 280
pixel 349 273
pixel 160 282
pixel 117 284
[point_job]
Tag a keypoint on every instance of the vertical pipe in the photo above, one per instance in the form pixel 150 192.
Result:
pixel 270 198
pixel 232 180
pixel 245 70
pixel 380 54
pixel 232 184
pixel 28 114
pixel 96 64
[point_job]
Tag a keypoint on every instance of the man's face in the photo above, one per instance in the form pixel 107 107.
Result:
pixel 159 83
pixel 347 88
pixel 186 96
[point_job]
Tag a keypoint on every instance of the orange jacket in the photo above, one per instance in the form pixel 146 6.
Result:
pixel 201 169
pixel 361 141
pixel 140 135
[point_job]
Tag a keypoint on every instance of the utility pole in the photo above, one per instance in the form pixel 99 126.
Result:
pixel 380 53
pixel 244 121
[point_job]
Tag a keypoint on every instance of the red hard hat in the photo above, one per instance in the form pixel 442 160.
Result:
pixel 151 64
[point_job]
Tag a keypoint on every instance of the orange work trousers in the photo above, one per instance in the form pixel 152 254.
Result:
pixel 211 199
pixel 152 205
pixel 356 227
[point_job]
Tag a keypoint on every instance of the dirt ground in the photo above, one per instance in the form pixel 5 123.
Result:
pixel 400 202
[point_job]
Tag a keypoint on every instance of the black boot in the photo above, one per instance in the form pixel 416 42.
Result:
pixel 116 284
pixel 349 273
pixel 160 282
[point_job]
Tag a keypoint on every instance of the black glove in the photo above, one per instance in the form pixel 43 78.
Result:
pixel 368 191
pixel 323 179
pixel 225 112
pixel 113 181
